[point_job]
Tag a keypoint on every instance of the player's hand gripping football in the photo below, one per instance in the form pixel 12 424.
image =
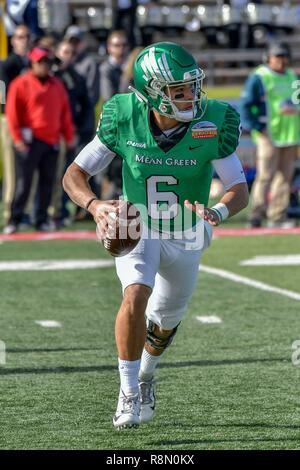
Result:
pixel 118 225
pixel 103 211
pixel 204 212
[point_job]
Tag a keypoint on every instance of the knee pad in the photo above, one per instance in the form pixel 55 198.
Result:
pixel 156 341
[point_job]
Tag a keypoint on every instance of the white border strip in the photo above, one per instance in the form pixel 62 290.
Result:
pixel 249 282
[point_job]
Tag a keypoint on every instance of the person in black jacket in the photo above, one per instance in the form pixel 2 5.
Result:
pixel 111 73
pixel 83 62
pixel 11 68
pixel 17 60
pixel 82 113
pixel 111 69
pixel 81 105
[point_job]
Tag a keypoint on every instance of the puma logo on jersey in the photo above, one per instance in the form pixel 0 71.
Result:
pixel 140 145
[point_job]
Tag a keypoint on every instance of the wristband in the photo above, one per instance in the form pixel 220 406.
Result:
pixel 221 210
pixel 90 202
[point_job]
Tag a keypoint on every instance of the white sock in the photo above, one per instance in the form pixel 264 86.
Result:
pixel 129 372
pixel 148 365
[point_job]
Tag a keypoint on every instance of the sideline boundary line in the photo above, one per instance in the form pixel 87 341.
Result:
pixel 249 282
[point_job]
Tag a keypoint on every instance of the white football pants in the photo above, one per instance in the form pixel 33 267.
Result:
pixel 167 268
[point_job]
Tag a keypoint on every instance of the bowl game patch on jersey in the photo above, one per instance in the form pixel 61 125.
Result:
pixel 204 130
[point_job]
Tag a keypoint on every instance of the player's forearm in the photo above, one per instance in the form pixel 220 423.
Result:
pixel 236 198
pixel 76 185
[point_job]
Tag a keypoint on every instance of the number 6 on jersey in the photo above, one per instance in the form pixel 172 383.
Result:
pixel 158 200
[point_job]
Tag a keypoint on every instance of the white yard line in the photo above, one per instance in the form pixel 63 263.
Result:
pixel 209 319
pixel 55 265
pixel 249 282
pixel 48 323
pixel 272 260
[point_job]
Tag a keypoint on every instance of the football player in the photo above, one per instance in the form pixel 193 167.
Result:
pixel 170 138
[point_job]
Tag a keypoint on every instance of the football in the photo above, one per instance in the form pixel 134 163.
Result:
pixel 124 232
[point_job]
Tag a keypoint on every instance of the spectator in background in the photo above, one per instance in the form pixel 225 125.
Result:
pixel 84 63
pixel 49 42
pixel 38 113
pixel 111 69
pixel 86 66
pixel 268 110
pixel 83 119
pixel 81 105
pixel 17 60
pixel 11 68
pixel 111 73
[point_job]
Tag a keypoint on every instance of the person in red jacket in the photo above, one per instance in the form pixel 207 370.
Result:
pixel 38 114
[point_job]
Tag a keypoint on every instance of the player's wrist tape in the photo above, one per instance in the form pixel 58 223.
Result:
pixel 221 210
pixel 90 202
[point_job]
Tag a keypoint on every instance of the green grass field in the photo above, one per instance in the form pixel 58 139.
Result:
pixel 220 386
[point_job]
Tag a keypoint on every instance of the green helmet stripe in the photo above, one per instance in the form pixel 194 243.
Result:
pixel 164 73
pixel 166 65
pixel 149 67
pixel 154 63
pixel 146 75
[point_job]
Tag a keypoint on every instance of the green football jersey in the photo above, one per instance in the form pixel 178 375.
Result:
pixel 159 181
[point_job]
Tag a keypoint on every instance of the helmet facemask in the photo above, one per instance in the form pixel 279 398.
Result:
pixel 161 67
pixel 172 103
